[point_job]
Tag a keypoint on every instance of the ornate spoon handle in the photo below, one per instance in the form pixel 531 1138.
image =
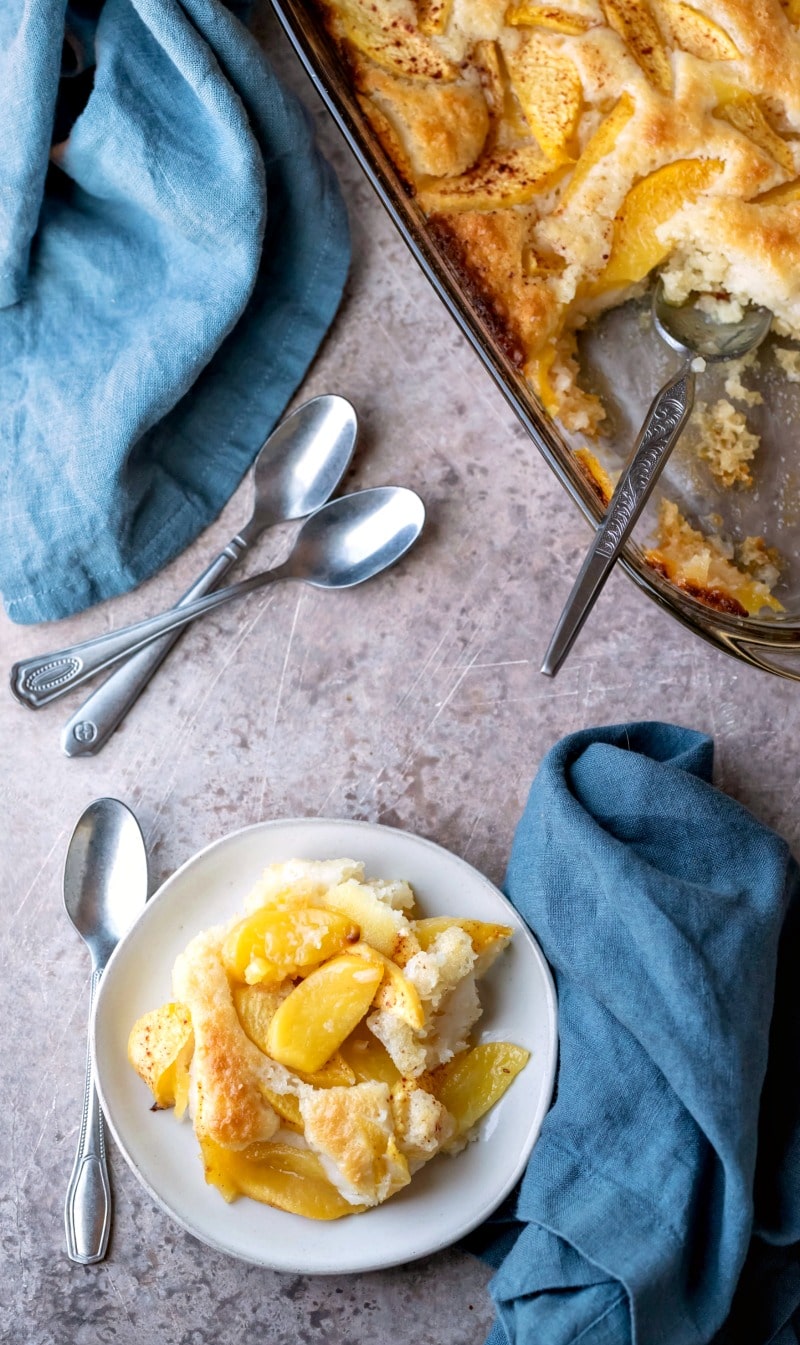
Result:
pixel 37 681
pixel 661 430
pixel 92 725
pixel 87 1211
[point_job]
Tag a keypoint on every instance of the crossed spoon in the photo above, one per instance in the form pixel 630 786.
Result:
pixel 341 545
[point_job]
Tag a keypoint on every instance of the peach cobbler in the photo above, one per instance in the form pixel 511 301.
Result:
pixel 563 152
pixel 322 1043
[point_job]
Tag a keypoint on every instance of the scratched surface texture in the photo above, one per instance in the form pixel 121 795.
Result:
pixel 415 701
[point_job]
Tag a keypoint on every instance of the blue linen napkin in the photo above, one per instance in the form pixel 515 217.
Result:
pixel 669 1164
pixel 164 284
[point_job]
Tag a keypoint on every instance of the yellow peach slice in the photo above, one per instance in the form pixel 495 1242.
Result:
pixel 313 1021
pixel 276 1174
pixel 271 944
pixel 381 925
pixel 633 21
pixel 600 144
pixel 398 47
pixel 473 1081
pixel 511 177
pixel 635 247
pixel 504 109
pixel 395 993
pixel 256 1006
pixel 538 374
pixel 160 1047
pixel 546 16
pixel 742 110
pixel 483 934
pixel 696 33
pixel 782 195
pixel 548 86
pixel 368 1058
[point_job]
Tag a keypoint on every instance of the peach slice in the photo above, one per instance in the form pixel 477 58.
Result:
pixel 395 993
pixel 399 47
pixel 512 177
pixel 276 1174
pixel 160 1048
pixel 368 1058
pixel 600 144
pixel 256 1006
pixel 633 21
pixel 743 111
pixel 782 195
pixel 696 33
pixel 381 925
pixel 271 944
pixel 314 1020
pixel 433 16
pixel 473 1081
pixel 635 247
pixel 488 940
pixel 546 16
pixel 550 92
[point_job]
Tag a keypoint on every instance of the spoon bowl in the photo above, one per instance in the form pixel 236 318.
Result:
pixel 692 329
pixel 356 537
pixel 105 876
pixel 302 462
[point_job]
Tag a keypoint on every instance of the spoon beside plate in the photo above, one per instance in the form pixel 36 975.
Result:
pixel 296 471
pixel 341 545
pixel 694 332
pixel 105 889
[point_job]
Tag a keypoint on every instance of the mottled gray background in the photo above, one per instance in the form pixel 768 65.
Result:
pixel 415 701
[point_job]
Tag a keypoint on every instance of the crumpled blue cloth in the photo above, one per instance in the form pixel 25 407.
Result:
pixel 165 280
pixel 668 1169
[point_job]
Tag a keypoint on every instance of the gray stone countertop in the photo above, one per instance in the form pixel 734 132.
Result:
pixel 415 701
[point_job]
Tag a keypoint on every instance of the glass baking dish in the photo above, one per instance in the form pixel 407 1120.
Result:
pixel 771 508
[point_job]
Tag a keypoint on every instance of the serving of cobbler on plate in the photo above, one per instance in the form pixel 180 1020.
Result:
pixel 322 1043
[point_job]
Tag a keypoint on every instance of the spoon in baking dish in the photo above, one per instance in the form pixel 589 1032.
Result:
pixel 105 889
pixel 341 545
pixel 695 334
pixel 296 471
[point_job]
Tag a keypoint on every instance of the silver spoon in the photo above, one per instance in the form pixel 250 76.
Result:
pixel 692 332
pixel 347 541
pixel 296 471
pixel 105 888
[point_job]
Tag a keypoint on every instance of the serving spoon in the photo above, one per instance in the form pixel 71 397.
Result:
pixel 694 333
pixel 296 471
pixel 341 545
pixel 105 888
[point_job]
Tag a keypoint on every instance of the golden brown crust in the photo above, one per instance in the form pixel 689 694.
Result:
pixel 714 80
pixel 352 1129
pixel 229 1073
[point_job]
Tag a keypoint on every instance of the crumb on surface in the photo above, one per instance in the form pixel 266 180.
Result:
pixel 789 360
pixel 722 439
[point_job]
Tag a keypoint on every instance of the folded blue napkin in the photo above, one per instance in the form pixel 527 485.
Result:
pixel 668 1168
pixel 166 277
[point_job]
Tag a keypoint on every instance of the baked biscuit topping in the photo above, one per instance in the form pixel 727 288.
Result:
pixel 565 151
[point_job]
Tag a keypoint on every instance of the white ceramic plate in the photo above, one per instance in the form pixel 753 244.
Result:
pixel 447 1198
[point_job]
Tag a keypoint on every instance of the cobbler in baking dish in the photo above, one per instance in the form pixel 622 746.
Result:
pixel 563 152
